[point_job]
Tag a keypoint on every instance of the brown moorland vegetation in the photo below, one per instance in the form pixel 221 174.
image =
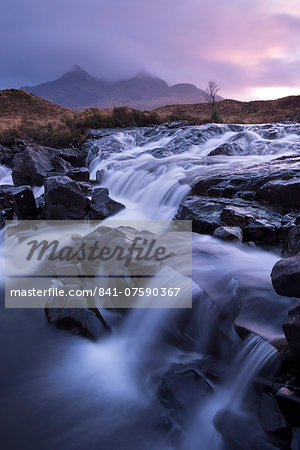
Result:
pixel 24 115
pixel 233 111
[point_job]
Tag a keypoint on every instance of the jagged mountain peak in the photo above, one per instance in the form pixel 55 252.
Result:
pixel 78 89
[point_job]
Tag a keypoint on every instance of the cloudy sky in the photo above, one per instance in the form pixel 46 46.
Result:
pixel 251 47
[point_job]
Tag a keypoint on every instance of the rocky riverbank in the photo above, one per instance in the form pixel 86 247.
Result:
pixel 251 206
pixel 67 193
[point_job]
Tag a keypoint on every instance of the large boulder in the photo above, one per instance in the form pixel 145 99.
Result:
pixel 208 214
pixel 184 386
pixel 6 155
pixel 227 149
pixel 19 200
pixel 87 322
pixel 64 199
pixel 35 162
pixel 291 328
pixel 286 276
pixel 102 206
pixel 292 244
pixel 205 213
pixel 285 193
pixel 79 174
pixel 284 172
pixel 74 156
pixel 233 234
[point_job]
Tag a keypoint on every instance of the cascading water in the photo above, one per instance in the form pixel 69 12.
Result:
pixel 110 394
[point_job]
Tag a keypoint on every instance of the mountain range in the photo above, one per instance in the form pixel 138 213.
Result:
pixel 77 89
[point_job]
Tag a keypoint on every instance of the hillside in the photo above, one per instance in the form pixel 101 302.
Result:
pixel 233 111
pixel 24 115
pixel 78 89
pixel 17 107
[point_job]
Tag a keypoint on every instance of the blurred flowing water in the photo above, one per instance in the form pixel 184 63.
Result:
pixel 62 391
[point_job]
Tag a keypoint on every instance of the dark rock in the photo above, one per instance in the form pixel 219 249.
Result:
pixel 60 165
pixel 291 328
pixel 160 153
pixel 286 277
pixel 20 175
pixel 289 403
pixel 164 425
pixel 86 189
pixel 229 234
pixel 284 172
pixel 204 213
pixel 79 174
pixel 87 322
pixel 99 175
pixel 6 155
pixel 261 226
pixel 285 193
pixel 20 200
pixel 102 206
pixel 41 205
pixel 36 162
pixel 235 216
pixel 248 437
pixel 228 149
pixel 74 156
pixel 292 244
pixel 64 199
pixel 183 386
pixel 270 414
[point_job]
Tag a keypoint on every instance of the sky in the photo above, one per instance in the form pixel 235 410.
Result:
pixel 250 47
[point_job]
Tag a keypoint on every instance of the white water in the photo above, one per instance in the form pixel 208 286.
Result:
pixel 78 394
pixel 5 175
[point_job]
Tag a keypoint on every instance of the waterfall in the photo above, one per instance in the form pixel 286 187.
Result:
pixel 110 394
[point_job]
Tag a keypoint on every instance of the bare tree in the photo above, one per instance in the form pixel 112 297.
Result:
pixel 211 95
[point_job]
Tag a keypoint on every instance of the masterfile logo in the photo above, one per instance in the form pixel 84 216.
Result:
pixel 132 264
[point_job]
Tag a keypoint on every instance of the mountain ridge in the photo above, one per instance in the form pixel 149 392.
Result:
pixel 77 89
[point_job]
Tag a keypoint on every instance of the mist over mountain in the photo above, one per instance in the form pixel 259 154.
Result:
pixel 78 89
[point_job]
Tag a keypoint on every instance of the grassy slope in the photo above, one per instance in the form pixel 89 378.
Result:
pixel 26 115
pixel 233 111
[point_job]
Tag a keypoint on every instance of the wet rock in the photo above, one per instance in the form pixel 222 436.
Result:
pixel 6 155
pixel 236 216
pixel 99 175
pixel 292 244
pixel 87 322
pixel 20 200
pixel 258 226
pixel 288 400
pixel 270 414
pixel 20 175
pixel 34 163
pixel 284 173
pixel 228 149
pixel 74 156
pixel 286 277
pixel 79 174
pixel 231 425
pixel 285 193
pixel 207 214
pixel 64 199
pixel 229 234
pixel 102 206
pixel 291 328
pixel 204 213
pixel 60 165
pixel 182 388
pixel 160 153
pixel 164 425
